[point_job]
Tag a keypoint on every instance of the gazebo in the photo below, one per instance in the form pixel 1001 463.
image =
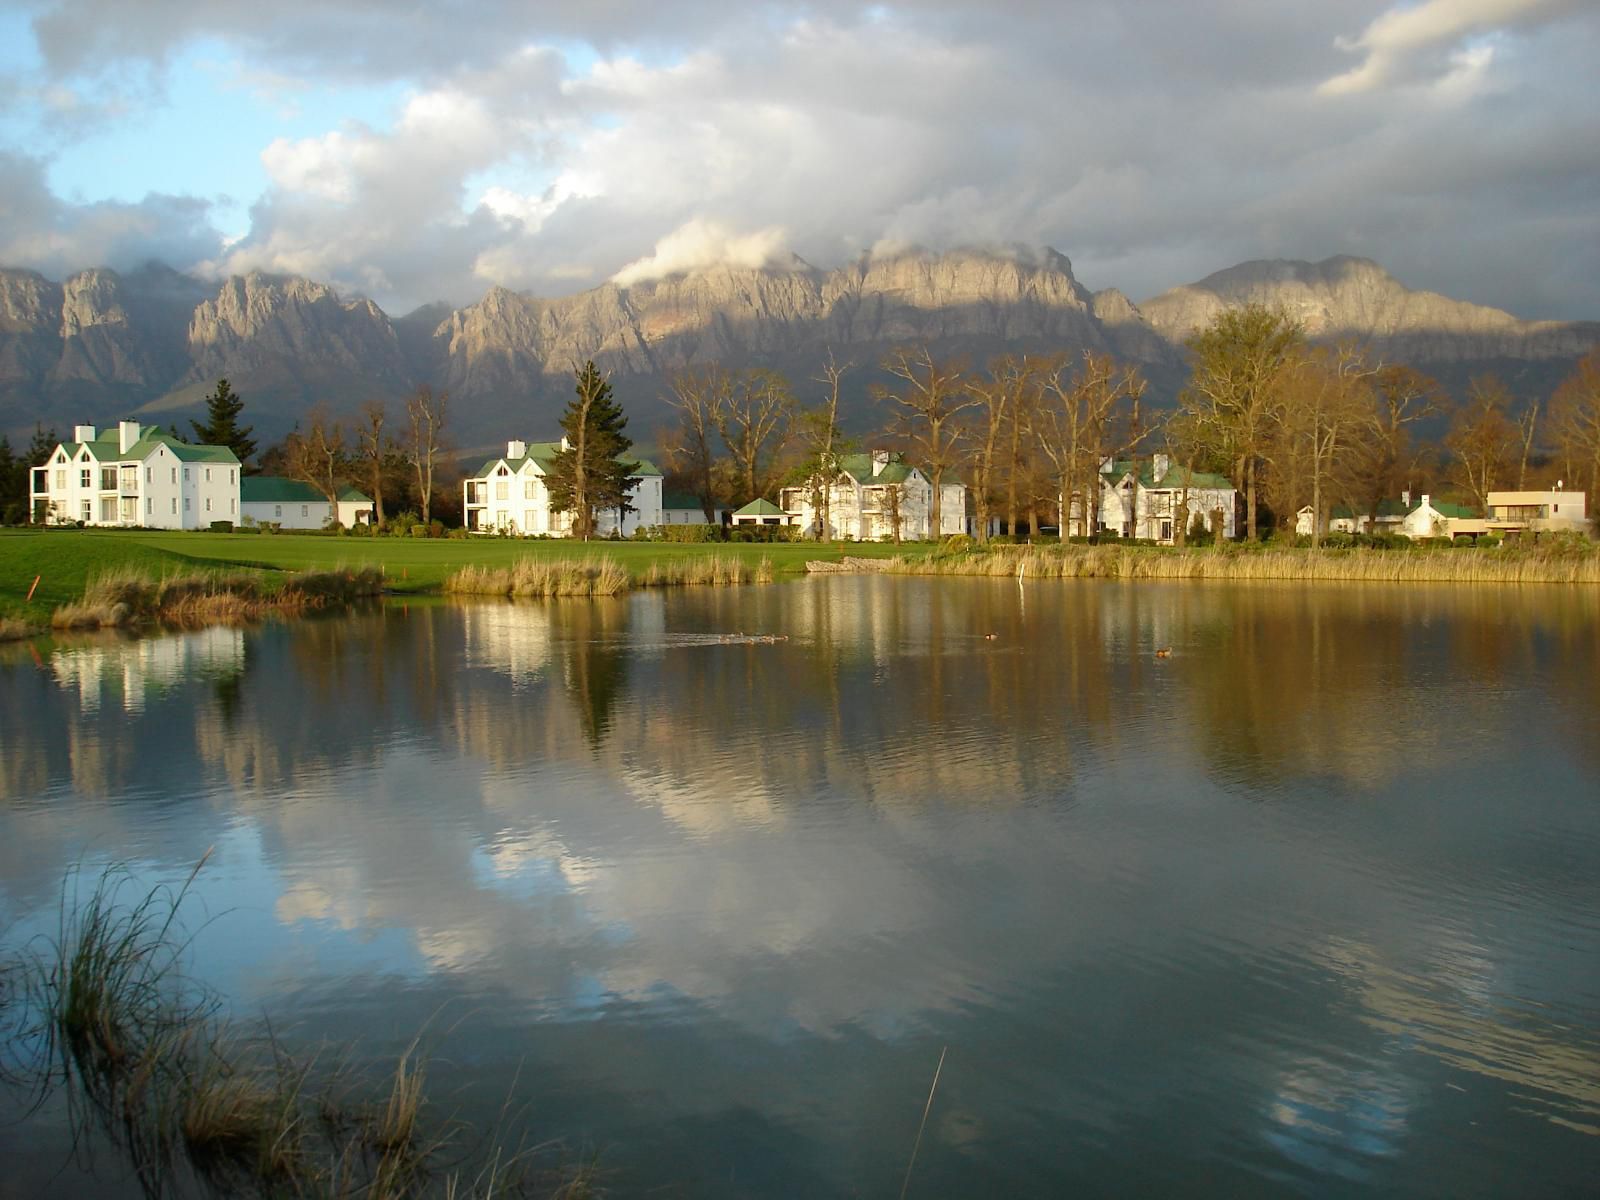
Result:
pixel 760 512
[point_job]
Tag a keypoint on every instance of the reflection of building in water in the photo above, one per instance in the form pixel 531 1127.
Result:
pixel 127 671
pixel 513 639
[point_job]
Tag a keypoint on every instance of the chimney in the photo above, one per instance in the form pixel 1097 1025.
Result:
pixel 516 449
pixel 1159 466
pixel 565 445
pixel 880 460
pixel 1424 499
pixel 1405 499
pixel 83 433
pixel 127 435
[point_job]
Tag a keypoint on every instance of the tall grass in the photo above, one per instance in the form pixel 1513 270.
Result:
pixel 104 1009
pixel 130 596
pixel 1558 564
pixel 600 575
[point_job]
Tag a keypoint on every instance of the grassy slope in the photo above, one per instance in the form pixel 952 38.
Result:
pixel 67 558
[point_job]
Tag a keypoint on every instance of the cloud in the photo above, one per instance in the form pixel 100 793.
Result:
pixel 1407 38
pixel 702 244
pixel 551 148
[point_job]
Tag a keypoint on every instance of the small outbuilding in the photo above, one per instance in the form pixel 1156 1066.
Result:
pixel 760 512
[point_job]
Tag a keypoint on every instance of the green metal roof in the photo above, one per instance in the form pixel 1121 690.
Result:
pixel 543 455
pixel 107 448
pixel 1175 477
pixel 348 493
pixel 859 468
pixel 760 508
pixel 681 500
pixel 274 489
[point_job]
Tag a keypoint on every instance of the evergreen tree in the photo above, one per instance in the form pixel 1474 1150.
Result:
pixel 13 492
pixel 593 473
pixel 39 452
pixel 221 427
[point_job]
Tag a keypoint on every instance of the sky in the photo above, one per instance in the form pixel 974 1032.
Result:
pixel 431 152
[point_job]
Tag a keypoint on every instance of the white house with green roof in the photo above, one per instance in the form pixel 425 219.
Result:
pixel 1149 497
pixel 295 504
pixel 136 476
pixel 869 494
pixel 508 495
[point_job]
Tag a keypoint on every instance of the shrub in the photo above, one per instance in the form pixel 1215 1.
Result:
pixel 689 533
pixel 419 531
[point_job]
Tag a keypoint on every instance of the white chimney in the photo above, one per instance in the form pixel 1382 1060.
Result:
pixel 83 433
pixel 1405 499
pixel 516 449
pixel 127 435
pixel 1159 466
pixel 880 460
pixel 565 445
pixel 1424 499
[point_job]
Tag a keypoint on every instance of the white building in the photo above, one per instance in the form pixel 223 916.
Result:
pixel 1420 518
pixel 295 504
pixel 680 508
pixel 1148 499
pixel 508 495
pixel 870 493
pixel 135 476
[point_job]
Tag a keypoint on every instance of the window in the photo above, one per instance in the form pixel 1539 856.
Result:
pixel 149 474
pixel 208 474
pixel 61 481
pixel 233 506
pixel 231 478
pixel 88 512
pixel 527 521
pixel 174 504
pixel 208 503
pixel 186 504
pixel 501 490
pixel 85 478
pixel 305 510
pixel 174 474
pixel 149 506
pixel 527 489
pixel 277 511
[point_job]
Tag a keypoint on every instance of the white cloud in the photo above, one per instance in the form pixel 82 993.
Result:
pixel 700 244
pixel 1394 41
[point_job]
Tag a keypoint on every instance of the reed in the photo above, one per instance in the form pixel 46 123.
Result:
pixel 596 575
pixel 706 570
pixel 105 1009
pixel 1557 564
pixel 13 629
pixel 117 599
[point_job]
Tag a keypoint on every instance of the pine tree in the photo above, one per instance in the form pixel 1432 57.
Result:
pixel 592 473
pixel 222 428
pixel 39 452
pixel 13 493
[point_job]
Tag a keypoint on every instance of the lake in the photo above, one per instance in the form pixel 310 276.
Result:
pixel 705 881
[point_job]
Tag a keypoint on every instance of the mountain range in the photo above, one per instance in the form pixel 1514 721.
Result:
pixel 150 343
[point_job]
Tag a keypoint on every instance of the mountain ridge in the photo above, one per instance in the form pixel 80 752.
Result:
pixel 100 344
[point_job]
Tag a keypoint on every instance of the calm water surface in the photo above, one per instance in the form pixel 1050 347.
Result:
pixel 1311 906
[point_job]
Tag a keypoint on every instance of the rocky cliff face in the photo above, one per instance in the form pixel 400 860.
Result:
pixel 101 345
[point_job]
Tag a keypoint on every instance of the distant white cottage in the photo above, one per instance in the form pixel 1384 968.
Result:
pixel 508 495
pixel 135 476
pixel 870 494
pixel 295 504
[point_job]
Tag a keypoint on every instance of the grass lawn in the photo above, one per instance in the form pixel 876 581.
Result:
pixel 65 559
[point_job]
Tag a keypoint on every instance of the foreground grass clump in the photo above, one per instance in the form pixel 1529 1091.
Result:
pixel 118 599
pixel 601 575
pixel 1558 562
pixel 105 1011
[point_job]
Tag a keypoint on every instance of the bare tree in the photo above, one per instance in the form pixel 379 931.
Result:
pixel 1480 436
pixel 1526 424
pixel 1327 401
pixel 376 451
pixel 1075 419
pixel 819 433
pixel 928 410
pixel 756 423
pixel 427 411
pixel 1000 398
pixel 1575 420
pixel 316 455
pixel 1384 459
pixel 701 396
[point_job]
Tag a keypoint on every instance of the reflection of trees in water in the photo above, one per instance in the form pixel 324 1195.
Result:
pixel 1360 683
pixel 594 659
